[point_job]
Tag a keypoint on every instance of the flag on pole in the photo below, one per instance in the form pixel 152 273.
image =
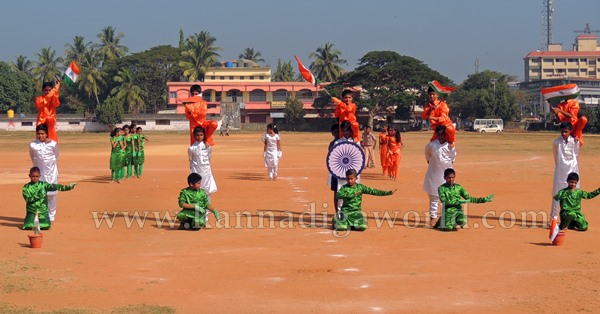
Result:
pixel 556 94
pixel 71 73
pixel 554 229
pixel 306 74
pixel 440 90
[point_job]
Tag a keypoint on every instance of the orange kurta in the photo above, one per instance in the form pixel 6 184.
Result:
pixel 394 156
pixel 46 106
pixel 441 111
pixel 383 138
pixel 347 112
pixel 195 112
pixel 572 107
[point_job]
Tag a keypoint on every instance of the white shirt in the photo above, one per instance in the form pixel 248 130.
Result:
pixel 565 155
pixel 45 156
pixel 440 157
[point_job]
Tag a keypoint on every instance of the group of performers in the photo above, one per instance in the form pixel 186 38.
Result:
pixel 127 154
pixel 440 154
pixel 127 159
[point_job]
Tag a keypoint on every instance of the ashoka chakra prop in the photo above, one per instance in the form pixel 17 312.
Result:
pixel 344 156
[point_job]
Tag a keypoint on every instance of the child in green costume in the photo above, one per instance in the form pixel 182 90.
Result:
pixel 35 194
pixel 452 196
pixel 194 205
pixel 138 161
pixel 569 198
pixel 350 216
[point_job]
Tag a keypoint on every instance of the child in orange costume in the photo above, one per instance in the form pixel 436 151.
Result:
pixel 568 111
pixel 46 105
pixel 437 112
pixel 383 148
pixel 195 112
pixel 394 156
pixel 346 111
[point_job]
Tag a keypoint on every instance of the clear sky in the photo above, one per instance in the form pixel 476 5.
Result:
pixel 446 35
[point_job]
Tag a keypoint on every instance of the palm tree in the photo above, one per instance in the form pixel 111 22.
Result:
pixel 22 65
pixel 199 54
pixel 250 54
pixel 77 49
pixel 91 78
pixel 46 68
pixel 128 92
pixel 327 67
pixel 110 46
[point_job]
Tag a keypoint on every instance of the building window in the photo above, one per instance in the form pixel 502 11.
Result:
pixel 28 123
pixel 280 95
pixel 172 94
pixel 561 60
pixel 212 77
pixel 262 77
pixel 305 95
pixel 251 78
pixel 218 96
pixel 163 122
pixel 258 95
pixel 548 60
pixel 242 77
pixel 231 77
pixel 73 122
pixel 572 60
pixel 222 78
pixel 138 122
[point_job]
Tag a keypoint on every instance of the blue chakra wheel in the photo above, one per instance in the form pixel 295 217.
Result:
pixel 344 156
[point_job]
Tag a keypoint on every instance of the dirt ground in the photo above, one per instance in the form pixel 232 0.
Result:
pixel 274 251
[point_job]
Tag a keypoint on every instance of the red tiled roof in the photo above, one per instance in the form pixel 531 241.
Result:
pixel 564 54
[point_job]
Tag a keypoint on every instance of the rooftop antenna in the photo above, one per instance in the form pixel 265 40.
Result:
pixel 547 13
pixel 587 30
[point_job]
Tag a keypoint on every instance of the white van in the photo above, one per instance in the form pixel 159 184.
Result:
pixel 480 123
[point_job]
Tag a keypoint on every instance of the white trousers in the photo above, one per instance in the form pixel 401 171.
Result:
pixel 52 205
pixel 272 171
pixel 433 205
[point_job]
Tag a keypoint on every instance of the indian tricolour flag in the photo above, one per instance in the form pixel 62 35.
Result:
pixel 556 94
pixel 440 90
pixel 306 74
pixel 71 73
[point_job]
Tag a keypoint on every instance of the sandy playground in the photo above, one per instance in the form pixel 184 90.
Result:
pixel 274 250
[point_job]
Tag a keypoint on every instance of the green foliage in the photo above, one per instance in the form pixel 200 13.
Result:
pixel 284 72
pixel 16 90
pixel 485 95
pixel 294 111
pixel 199 54
pixel 250 54
pixel 110 112
pixel 110 47
pixel 150 71
pixel 390 80
pixel 327 67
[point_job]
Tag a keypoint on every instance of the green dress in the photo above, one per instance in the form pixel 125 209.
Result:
pixel 116 155
pixel 351 215
pixel 570 208
pixel 36 197
pixel 122 153
pixel 134 144
pixel 194 219
pixel 128 150
pixel 139 160
pixel 452 213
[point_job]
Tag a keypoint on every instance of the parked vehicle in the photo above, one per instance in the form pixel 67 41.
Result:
pixel 492 128
pixel 481 123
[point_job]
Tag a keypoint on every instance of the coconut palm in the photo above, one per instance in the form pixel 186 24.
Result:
pixel 327 67
pixel 199 54
pixel 92 77
pixel 110 46
pixel 77 49
pixel 127 92
pixel 22 65
pixel 250 54
pixel 46 69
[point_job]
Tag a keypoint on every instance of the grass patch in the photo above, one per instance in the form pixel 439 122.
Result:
pixel 137 308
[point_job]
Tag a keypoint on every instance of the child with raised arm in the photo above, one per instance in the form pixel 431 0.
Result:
pixel 569 198
pixel 195 111
pixel 194 205
pixel 438 112
pixel 350 216
pixel 35 194
pixel 46 105
pixel 272 150
pixel 199 155
pixel 345 110
pixel 453 195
